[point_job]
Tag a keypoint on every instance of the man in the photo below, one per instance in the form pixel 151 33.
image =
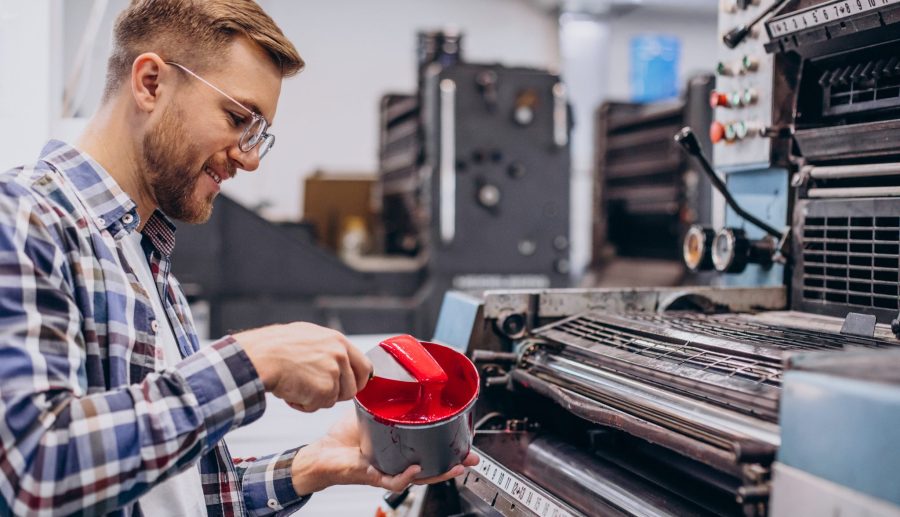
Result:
pixel 108 404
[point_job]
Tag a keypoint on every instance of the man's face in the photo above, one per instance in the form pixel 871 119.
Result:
pixel 193 145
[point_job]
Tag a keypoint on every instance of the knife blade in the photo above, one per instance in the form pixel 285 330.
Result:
pixel 385 366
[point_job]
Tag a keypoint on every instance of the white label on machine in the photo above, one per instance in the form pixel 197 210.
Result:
pixel 520 491
pixel 821 15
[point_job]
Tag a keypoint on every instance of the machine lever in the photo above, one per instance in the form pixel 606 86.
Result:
pixel 689 142
pixel 735 36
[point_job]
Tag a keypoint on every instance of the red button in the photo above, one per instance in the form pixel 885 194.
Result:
pixel 716 132
pixel 717 99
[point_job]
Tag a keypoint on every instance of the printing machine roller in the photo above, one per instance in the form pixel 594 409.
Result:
pixel 630 402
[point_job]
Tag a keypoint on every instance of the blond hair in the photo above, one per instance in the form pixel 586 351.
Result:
pixel 192 32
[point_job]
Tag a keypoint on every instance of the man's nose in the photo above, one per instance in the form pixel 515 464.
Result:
pixel 248 161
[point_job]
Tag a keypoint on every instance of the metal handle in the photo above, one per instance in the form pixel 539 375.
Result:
pixel 560 115
pixel 447 171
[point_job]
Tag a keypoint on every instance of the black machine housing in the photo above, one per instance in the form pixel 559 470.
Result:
pixel 646 191
pixel 846 126
pixel 499 188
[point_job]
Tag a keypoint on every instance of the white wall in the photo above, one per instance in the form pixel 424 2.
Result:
pixel 696 28
pixel 25 77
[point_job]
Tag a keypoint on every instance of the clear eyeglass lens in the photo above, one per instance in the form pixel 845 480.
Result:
pixel 253 133
pixel 266 145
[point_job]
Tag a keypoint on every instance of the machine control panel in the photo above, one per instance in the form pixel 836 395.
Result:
pixel 742 100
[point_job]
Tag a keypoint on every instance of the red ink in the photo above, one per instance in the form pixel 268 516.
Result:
pixel 448 382
pixel 415 359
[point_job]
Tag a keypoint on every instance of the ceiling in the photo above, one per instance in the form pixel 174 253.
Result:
pixel 606 7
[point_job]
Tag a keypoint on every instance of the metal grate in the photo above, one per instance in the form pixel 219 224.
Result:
pixel 728 360
pixel 861 86
pixel 852 261
pixel 683 353
pixel 743 329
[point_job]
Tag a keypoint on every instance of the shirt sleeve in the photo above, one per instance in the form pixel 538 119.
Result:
pixel 267 486
pixel 65 446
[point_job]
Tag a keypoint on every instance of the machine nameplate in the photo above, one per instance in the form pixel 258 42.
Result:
pixel 821 15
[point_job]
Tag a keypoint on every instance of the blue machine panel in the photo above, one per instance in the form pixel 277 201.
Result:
pixel 459 315
pixel 844 430
pixel 763 193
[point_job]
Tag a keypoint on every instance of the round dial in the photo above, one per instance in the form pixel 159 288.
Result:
pixel 731 250
pixel 696 248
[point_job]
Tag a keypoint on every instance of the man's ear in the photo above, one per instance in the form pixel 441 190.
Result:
pixel 147 71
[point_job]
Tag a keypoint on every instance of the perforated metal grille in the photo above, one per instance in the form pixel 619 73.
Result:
pixel 684 353
pixel 852 261
pixel 861 86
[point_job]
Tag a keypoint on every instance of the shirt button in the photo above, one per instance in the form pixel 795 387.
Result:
pixel 101 221
pixel 154 326
pixel 273 504
pixel 127 218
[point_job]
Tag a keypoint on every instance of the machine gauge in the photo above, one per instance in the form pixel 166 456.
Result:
pixel 729 250
pixel 696 250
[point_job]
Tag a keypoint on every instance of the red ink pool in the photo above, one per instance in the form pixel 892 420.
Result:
pixel 448 383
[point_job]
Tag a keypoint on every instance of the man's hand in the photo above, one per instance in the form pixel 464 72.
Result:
pixel 309 366
pixel 337 460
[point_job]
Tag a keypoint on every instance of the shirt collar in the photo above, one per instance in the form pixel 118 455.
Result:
pixel 161 232
pixel 108 205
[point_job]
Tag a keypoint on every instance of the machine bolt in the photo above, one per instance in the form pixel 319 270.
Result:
pixel 489 196
pixel 527 247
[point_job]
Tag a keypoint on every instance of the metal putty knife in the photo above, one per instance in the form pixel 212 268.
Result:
pixel 386 367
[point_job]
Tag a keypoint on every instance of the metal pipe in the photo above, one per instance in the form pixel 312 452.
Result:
pixel 678 410
pixel 851 171
pixel 564 467
pixel 828 193
pixel 488 356
pixel 591 410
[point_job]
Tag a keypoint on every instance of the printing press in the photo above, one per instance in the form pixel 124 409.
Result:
pixel 775 391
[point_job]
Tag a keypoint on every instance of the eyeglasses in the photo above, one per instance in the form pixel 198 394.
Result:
pixel 254 133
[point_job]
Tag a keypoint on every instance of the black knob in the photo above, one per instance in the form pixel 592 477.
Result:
pixel 735 36
pixel 513 324
pixel 515 170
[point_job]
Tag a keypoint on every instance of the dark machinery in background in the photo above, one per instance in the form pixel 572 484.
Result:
pixel 779 397
pixel 474 184
pixel 646 192
pixel 401 153
pixel 486 194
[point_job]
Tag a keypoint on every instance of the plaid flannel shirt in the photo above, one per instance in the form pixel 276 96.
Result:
pixel 86 423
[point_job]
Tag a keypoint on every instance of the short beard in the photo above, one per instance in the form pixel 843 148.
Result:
pixel 169 173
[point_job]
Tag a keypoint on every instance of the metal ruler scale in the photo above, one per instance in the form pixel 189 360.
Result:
pixel 510 494
pixel 821 15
